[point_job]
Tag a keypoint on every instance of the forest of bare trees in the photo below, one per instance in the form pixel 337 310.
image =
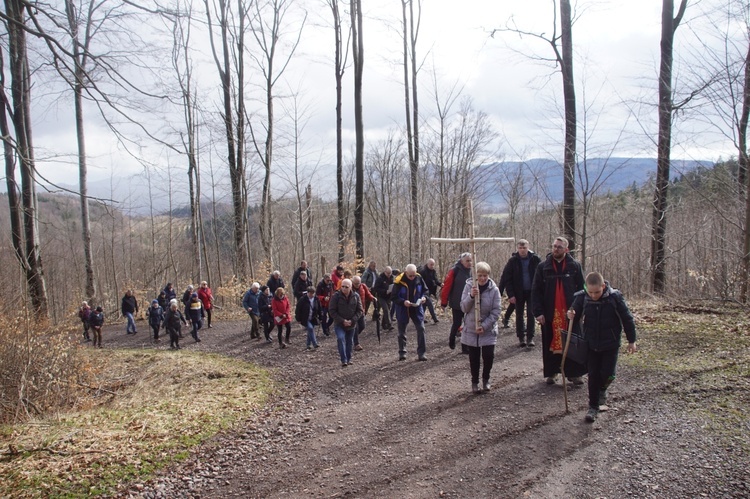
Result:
pixel 221 129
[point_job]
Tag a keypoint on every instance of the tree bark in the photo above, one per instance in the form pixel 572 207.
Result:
pixel 571 124
pixel 339 73
pixel 664 146
pixel 359 165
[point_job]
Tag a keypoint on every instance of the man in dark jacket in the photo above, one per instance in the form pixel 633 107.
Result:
pixel 275 281
pixel 382 284
pixel 605 315
pixel 409 291
pixel 429 275
pixel 345 310
pixel 129 307
pixel 250 304
pixel 303 267
pixel 517 278
pixel 307 313
pixel 453 287
pixel 300 286
pixel 556 280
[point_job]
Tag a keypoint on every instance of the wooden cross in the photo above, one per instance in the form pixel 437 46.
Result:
pixel 472 245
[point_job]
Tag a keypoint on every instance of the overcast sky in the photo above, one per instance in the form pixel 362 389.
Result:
pixel 617 53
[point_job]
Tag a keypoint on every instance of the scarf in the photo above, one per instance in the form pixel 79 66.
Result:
pixel 559 319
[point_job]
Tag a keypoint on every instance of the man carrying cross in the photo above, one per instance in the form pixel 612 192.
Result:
pixel 556 280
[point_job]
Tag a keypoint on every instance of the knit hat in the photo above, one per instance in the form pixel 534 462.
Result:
pixel 154 301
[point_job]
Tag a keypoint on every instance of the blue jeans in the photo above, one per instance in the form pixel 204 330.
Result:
pixel 345 341
pixel 311 340
pixel 131 323
pixel 421 345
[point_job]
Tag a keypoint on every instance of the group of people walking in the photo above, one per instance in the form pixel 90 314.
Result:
pixel 547 292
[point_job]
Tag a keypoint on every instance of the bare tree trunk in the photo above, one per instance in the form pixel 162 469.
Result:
pixel 21 92
pixel 339 67
pixel 358 58
pixel 569 94
pixel 742 176
pixel 659 219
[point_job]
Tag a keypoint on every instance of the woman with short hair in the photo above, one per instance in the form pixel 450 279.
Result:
pixel 480 339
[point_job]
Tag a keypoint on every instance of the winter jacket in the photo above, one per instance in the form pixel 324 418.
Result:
pixel 129 305
pixel 163 301
pixel 310 277
pixel 264 305
pixel 369 277
pixel 195 310
pixel 336 279
pixel 344 308
pixel 96 319
pixel 302 310
pixel 274 284
pixel 155 316
pixel 172 320
pixel 324 291
pixel 453 286
pixel 186 297
pixel 545 281
pixel 402 292
pixel 206 296
pixel 512 279
pixel 365 296
pixel 489 312
pixel 84 313
pixel 382 283
pixel 603 320
pixel 282 311
pixel 430 278
pixel 300 287
pixel 170 293
pixel 250 301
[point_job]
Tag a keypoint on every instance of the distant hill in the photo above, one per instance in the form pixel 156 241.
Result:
pixel 617 174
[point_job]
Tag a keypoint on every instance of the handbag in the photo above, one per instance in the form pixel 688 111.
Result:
pixel 578 350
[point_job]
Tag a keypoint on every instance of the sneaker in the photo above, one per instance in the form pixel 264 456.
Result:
pixel 197 340
pixel 592 414
pixel 282 345
pixel 421 358
pixel 475 388
pixel 486 386
pixel 521 343
pixel 344 364
pixel 452 342
pixel 435 321
pixel 269 340
pixel 358 348
pixel 576 380
pixel 401 356
pixel 551 379
pixel 316 346
pixel 506 325
pixel 530 343
pixel 309 347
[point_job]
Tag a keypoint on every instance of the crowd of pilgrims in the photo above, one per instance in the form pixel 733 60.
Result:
pixel 546 293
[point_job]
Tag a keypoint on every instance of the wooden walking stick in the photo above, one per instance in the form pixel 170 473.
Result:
pixel 562 365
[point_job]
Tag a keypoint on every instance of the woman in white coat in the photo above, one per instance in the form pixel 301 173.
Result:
pixel 481 338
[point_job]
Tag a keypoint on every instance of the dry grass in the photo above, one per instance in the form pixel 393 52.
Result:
pixel 145 410
pixel 701 353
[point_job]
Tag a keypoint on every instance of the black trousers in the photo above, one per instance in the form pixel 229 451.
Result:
pixel 602 367
pixel 487 355
pixel 508 312
pixel 523 304
pixel 280 329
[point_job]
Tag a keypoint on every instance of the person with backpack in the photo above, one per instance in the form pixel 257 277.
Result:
pixel 83 313
pixel 602 313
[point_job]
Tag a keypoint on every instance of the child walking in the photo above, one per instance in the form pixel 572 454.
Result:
pixel 96 320
pixel 603 314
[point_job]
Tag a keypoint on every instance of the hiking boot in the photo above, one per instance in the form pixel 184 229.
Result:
pixel 401 356
pixel 521 343
pixel 551 379
pixel 530 343
pixel 505 325
pixel 602 398
pixel 486 386
pixel 592 414
pixel 475 388
pixel 344 364
pixel 282 345
pixel 358 348
pixel 422 358
pixel 452 342
pixel 576 380
pixel 435 320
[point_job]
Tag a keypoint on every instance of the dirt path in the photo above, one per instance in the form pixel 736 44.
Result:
pixel 384 428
